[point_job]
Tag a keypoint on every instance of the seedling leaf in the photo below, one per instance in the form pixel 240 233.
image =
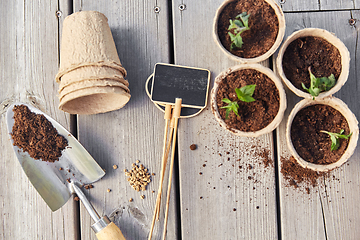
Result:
pixel 318 85
pixel 245 93
pixel 239 24
pixel 232 106
pixel 335 142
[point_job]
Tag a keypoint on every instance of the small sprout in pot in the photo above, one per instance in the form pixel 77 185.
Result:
pixel 244 94
pixel 240 24
pixel 318 85
pixel 335 138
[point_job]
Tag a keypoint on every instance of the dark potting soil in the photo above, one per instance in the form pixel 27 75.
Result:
pixel 321 56
pixel 263 24
pixel 254 115
pixel 36 135
pixel 311 144
pixel 295 174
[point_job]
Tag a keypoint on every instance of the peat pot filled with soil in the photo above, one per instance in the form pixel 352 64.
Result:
pixel 321 134
pixel 313 63
pixel 249 31
pixel 248 100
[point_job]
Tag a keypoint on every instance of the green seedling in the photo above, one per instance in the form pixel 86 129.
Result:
pixel 244 94
pixel 240 24
pixel 318 85
pixel 335 138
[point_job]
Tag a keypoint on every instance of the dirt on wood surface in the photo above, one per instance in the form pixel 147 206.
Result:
pixel 296 175
pixel 311 144
pixel 322 57
pixel 34 134
pixel 263 24
pixel 253 115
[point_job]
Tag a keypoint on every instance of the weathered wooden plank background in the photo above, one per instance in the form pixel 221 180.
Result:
pixel 220 196
pixel 29 62
pixel 330 210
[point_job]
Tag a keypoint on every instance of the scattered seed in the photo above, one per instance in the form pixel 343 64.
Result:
pixel 137 161
pixel 153 174
pixel 61 169
pixel 108 190
pixel 234 209
pixel 153 191
pixel 130 200
pixel 115 166
pixel 142 196
pixel 68 180
pixel 139 177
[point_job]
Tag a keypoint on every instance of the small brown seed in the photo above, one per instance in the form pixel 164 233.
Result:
pixel 115 166
pixel 108 190
pixel 130 200
pixel 142 196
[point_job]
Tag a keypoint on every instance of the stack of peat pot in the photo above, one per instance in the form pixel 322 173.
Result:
pixel 91 78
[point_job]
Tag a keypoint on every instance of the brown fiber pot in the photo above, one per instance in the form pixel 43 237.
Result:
pixel 276 121
pixel 349 116
pixel 331 38
pixel 281 18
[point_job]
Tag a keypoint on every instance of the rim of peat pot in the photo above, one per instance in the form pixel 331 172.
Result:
pixel 332 39
pixel 350 118
pixel 282 99
pixel 281 18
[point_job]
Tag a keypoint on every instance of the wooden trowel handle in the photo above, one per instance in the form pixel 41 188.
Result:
pixel 110 232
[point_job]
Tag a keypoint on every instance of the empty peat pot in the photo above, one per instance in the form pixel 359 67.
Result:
pixel 307 142
pixel 254 118
pixel 265 32
pixel 315 50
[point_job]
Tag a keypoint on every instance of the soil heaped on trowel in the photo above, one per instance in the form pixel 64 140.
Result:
pixel 36 135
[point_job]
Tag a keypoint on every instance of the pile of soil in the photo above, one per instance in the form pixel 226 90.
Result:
pixel 321 56
pixel 311 144
pixel 295 174
pixel 254 115
pixel 36 135
pixel 263 24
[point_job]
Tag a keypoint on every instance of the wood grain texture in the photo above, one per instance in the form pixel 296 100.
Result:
pixel 134 132
pixel 330 211
pixel 29 62
pixel 226 192
pixel 317 5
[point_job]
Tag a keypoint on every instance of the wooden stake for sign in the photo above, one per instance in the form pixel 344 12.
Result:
pixel 167 118
pixel 175 116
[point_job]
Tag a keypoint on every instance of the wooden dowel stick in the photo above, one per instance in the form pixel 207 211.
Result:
pixel 158 200
pixel 167 117
pixel 176 115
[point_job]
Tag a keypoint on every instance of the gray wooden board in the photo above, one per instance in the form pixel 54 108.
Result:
pixel 317 5
pixel 221 197
pixel 331 209
pixel 29 62
pixel 134 132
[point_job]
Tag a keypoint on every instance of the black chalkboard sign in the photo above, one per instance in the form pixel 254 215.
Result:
pixel 173 81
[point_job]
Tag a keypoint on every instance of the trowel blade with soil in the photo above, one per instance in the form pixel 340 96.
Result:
pixel 76 165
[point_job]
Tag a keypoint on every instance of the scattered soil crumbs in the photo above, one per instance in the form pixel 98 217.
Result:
pixel 265 155
pixel 311 144
pixel 253 116
pixel 36 135
pixel 263 24
pixel 138 177
pixel 295 174
pixel 88 186
pixel 321 56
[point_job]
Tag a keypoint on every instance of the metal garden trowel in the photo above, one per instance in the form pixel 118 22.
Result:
pixel 57 181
